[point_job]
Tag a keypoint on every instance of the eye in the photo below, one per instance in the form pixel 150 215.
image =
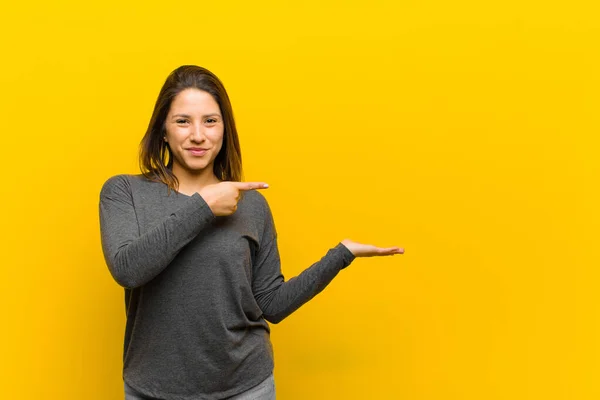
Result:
pixel 181 121
pixel 211 121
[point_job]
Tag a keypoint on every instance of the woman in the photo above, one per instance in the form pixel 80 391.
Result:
pixel 196 251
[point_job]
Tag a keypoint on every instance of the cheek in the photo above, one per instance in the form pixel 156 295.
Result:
pixel 177 134
pixel 217 138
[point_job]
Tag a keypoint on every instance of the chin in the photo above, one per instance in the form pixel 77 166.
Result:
pixel 197 167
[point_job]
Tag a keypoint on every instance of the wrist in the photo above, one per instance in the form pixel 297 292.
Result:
pixel 209 200
pixel 347 244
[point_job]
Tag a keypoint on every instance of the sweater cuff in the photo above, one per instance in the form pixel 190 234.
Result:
pixel 197 211
pixel 202 208
pixel 347 255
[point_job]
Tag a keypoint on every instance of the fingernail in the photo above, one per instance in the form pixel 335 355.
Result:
pixel 266 185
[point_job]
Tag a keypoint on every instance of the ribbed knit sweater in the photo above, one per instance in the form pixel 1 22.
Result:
pixel 199 288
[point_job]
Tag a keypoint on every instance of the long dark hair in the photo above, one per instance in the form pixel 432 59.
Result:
pixel 156 158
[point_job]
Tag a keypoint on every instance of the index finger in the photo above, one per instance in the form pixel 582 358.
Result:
pixel 250 185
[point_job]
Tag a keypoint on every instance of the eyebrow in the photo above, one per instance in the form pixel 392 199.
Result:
pixel 206 115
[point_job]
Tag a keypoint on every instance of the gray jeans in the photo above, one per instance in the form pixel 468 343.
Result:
pixel 263 391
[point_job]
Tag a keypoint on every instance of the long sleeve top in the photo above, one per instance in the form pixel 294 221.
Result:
pixel 199 288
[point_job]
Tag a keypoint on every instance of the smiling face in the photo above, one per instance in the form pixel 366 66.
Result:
pixel 194 132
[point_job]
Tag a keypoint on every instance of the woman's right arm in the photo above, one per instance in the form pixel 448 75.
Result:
pixel 135 259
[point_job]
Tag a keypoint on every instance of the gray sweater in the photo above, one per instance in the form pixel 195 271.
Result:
pixel 199 288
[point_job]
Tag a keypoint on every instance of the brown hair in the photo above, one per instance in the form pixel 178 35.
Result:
pixel 154 163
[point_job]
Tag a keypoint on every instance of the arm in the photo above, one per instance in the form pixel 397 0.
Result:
pixel 278 298
pixel 135 259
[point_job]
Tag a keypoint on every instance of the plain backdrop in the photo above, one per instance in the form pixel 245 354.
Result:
pixel 464 131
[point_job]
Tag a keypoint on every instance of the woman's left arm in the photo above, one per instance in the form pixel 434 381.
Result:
pixel 278 298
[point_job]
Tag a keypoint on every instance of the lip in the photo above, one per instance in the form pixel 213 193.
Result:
pixel 197 151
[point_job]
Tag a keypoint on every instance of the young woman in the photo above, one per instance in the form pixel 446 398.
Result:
pixel 196 250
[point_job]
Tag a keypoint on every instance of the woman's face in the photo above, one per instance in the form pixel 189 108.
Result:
pixel 195 129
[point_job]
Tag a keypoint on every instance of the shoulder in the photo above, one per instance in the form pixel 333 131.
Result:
pixel 125 183
pixel 258 202
pixel 115 184
pixel 260 212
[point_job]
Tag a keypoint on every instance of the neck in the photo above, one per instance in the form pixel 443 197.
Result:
pixel 191 182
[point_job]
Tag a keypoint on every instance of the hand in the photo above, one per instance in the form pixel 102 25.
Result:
pixel 222 197
pixel 368 250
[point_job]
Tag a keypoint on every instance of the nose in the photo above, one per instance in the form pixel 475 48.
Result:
pixel 197 134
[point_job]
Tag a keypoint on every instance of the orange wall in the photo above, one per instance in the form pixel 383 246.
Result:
pixel 464 131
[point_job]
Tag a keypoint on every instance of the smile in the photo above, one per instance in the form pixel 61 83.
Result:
pixel 198 152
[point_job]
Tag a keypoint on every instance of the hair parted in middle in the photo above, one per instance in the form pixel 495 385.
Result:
pixel 156 158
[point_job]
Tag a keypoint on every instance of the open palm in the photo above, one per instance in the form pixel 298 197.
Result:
pixel 369 250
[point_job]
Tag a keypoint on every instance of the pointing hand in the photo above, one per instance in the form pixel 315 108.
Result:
pixel 222 197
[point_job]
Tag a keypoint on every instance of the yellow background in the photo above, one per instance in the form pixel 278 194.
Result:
pixel 464 131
